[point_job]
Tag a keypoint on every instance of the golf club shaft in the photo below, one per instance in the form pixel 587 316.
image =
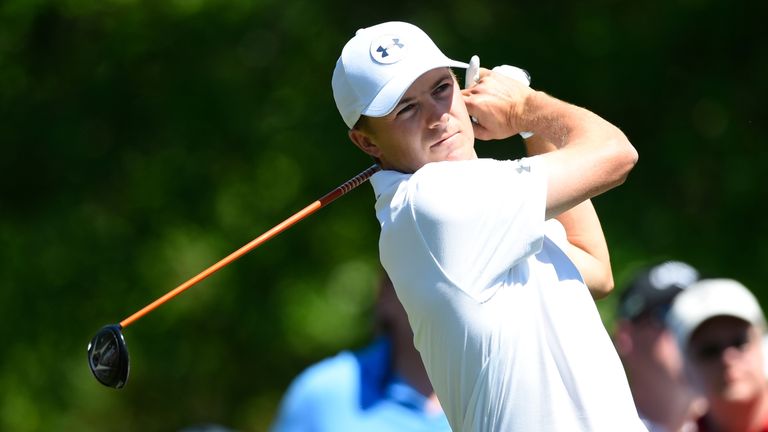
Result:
pixel 277 229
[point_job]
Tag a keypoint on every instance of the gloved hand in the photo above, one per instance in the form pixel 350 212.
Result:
pixel 473 75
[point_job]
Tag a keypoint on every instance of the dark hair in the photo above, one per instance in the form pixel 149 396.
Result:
pixel 363 125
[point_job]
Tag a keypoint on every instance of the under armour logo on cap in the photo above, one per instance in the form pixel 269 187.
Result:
pixel 387 49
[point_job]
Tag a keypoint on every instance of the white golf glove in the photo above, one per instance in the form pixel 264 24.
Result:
pixel 473 76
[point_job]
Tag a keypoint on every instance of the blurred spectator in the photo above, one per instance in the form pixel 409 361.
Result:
pixel 654 366
pixel 383 387
pixel 765 352
pixel 719 327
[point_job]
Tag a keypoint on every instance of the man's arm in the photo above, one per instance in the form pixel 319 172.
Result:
pixel 591 155
pixel 585 156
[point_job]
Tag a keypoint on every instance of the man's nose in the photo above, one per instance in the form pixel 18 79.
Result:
pixel 437 114
pixel 731 354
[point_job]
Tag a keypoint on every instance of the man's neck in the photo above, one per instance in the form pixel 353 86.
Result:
pixel 671 411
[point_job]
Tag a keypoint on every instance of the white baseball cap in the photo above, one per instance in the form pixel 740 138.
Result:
pixel 709 298
pixel 379 64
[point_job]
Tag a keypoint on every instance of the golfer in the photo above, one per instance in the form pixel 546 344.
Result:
pixel 495 261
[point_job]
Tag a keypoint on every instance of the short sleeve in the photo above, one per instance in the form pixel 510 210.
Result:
pixel 479 218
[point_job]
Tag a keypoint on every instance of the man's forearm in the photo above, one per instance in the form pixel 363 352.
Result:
pixel 561 123
pixel 593 156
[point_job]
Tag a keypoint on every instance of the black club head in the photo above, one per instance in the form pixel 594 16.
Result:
pixel 108 356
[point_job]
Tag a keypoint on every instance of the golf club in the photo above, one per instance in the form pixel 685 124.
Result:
pixel 107 351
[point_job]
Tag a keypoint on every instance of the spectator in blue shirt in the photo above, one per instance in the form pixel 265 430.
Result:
pixel 382 387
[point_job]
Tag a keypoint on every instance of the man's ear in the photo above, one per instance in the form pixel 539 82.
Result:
pixel 364 142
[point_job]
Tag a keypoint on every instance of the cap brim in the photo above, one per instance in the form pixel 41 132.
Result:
pixel 393 91
pixel 710 298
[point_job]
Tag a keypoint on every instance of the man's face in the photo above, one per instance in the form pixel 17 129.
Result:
pixel 654 367
pixel 726 359
pixel 649 352
pixel 429 124
pixel 656 349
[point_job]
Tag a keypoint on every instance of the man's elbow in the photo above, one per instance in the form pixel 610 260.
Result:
pixel 620 157
pixel 602 286
pixel 601 291
pixel 624 157
pixel 595 269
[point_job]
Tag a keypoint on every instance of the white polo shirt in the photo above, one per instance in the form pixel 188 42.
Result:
pixel 509 334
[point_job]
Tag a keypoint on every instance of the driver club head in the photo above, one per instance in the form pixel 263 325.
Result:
pixel 108 356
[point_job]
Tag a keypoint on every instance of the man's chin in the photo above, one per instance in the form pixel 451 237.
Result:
pixel 736 393
pixel 464 153
pixel 455 148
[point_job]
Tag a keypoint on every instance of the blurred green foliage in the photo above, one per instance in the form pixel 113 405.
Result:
pixel 143 140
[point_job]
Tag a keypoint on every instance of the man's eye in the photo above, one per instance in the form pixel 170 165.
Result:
pixel 406 109
pixel 442 88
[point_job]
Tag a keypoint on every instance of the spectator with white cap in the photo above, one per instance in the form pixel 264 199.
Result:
pixel 719 327
pixel 765 352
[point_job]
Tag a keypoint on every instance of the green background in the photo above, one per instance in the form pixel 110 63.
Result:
pixel 142 141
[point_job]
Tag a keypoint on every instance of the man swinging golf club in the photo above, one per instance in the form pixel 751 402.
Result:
pixel 494 261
